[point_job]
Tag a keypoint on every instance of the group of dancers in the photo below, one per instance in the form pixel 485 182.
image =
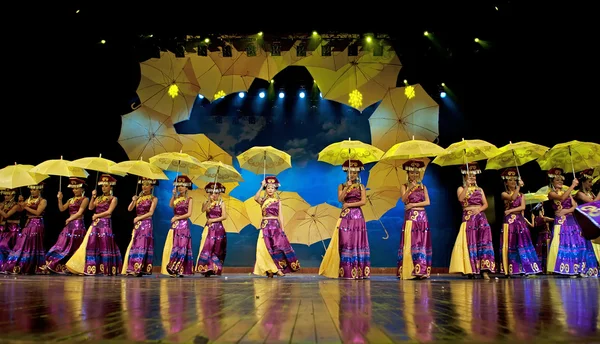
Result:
pixel 94 252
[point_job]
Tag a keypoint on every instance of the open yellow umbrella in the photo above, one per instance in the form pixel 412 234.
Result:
pixel 338 153
pixel 534 198
pixel 312 224
pixel 404 113
pixel 216 171
pixel 265 159
pixel 61 168
pixel 237 216
pixel 98 164
pixel 413 149
pixel 515 154
pixel 204 149
pixel 379 201
pixel 138 168
pixel 389 174
pixel 169 86
pixel 146 132
pixel 177 162
pixel 363 81
pixel 466 151
pixel 573 155
pixel 291 203
pixel 16 176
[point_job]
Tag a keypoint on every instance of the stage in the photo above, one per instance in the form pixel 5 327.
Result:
pixel 300 308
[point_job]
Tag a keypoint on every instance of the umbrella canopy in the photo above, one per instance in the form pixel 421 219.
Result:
pixel 217 171
pixel 389 174
pixel 15 176
pixel 204 149
pixel 404 113
pixel 291 202
pixel 413 149
pixel 237 216
pixel 571 156
pixel 338 153
pixel 177 162
pixel 138 168
pixel 312 224
pixel 515 154
pixel 146 132
pixel 466 151
pixel 264 159
pixel 59 167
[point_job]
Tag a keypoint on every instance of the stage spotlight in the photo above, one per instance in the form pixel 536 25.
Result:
pixel 443 94
pixel 241 94
pixel 302 94
pixel 281 95
pixel 200 96
pixel 261 94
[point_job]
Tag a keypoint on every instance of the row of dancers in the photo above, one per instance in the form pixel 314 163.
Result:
pixel 94 251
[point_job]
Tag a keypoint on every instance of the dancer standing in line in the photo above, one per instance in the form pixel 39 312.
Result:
pixel 348 255
pixel 98 254
pixel 10 212
pixel 140 252
pixel 570 253
pixel 28 254
pixel 586 195
pixel 473 252
pixel 178 258
pixel 540 222
pixel 274 254
pixel 517 252
pixel 72 234
pixel 213 247
pixel 415 251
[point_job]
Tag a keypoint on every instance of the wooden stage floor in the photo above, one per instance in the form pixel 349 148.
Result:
pixel 302 308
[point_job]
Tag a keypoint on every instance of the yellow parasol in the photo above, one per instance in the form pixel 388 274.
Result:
pixel 168 85
pixel 177 162
pixel 466 151
pixel 15 176
pixel 60 168
pixel 266 158
pixel 379 201
pixel 98 164
pixel 145 132
pixel 291 203
pixel 413 149
pixel 338 153
pixel 515 154
pixel 204 149
pixel 389 174
pixel 361 82
pixel 237 216
pixel 312 224
pixel 534 198
pixel 574 155
pixel 216 171
pixel 138 168
pixel 403 113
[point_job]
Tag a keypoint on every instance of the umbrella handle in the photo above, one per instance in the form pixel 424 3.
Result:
pixel 60 183
pixel 265 165
pixel 572 167
pixel 387 235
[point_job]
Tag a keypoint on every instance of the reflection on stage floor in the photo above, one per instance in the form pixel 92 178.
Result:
pixel 298 309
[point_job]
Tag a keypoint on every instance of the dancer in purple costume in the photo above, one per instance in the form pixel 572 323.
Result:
pixel 28 254
pixel 473 252
pixel 213 247
pixel 10 215
pixel 517 252
pixel 351 247
pixel 570 253
pixel 178 259
pixel 540 222
pixel 71 237
pixel 98 254
pixel 414 253
pixel 274 254
pixel 140 252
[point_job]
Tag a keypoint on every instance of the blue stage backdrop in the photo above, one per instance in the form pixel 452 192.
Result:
pixel 302 132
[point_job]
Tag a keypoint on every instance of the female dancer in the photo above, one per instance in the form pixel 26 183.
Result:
pixel 72 235
pixel 178 259
pixel 517 251
pixel 274 254
pixel 569 253
pixel 98 253
pixel 140 252
pixel 213 246
pixel 414 253
pixel 473 252
pixel 10 211
pixel 27 256
pixel 541 224
pixel 585 195
pixel 348 255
